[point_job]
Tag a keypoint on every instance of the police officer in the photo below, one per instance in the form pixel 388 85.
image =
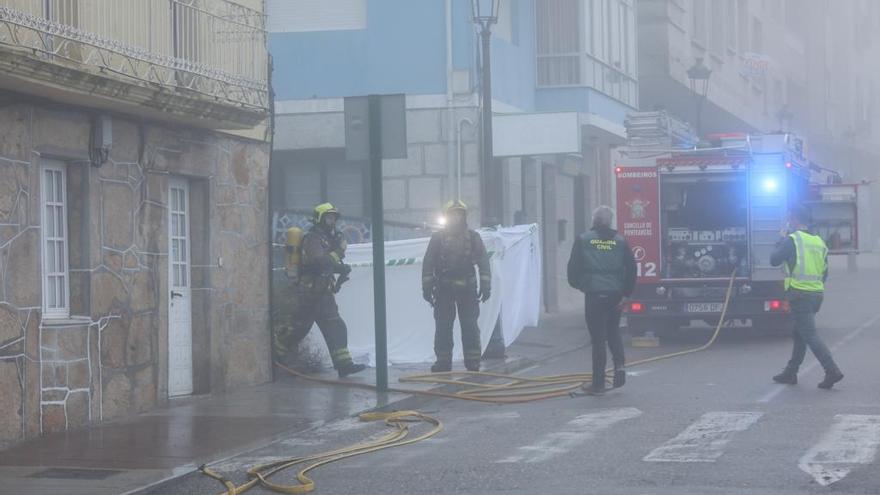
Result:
pixel 603 268
pixel 323 251
pixel 804 257
pixel 449 283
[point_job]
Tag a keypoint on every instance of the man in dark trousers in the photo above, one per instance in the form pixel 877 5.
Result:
pixel 449 283
pixel 323 251
pixel 804 257
pixel 602 266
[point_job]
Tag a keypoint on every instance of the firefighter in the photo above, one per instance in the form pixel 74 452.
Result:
pixel 449 283
pixel 804 257
pixel 602 266
pixel 322 254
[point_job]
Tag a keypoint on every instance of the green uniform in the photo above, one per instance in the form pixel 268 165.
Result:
pixel 603 268
pixel 448 274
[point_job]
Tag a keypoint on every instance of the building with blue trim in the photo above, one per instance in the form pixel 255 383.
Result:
pixel 564 76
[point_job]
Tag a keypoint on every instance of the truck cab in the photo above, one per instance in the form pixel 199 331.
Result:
pixel 697 218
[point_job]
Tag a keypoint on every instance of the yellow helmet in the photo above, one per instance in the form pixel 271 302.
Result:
pixel 323 209
pixel 455 205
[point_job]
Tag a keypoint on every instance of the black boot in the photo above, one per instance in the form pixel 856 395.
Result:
pixel 441 366
pixel 619 379
pixel 350 368
pixel 473 366
pixel 831 377
pixel 786 377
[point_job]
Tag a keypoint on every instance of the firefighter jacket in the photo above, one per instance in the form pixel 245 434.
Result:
pixel 450 259
pixel 601 262
pixel 323 250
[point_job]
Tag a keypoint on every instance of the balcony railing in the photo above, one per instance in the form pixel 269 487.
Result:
pixel 216 48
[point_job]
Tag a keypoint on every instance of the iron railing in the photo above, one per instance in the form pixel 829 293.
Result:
pixel 214 47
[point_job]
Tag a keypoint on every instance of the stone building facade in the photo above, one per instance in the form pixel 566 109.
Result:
pixel 109 358
pixel 133 211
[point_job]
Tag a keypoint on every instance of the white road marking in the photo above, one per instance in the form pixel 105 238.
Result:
pixel 575 432
pixel 704 440
pixel 851 441
pixel 778 389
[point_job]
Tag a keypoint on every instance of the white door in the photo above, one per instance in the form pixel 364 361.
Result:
pixel 180 295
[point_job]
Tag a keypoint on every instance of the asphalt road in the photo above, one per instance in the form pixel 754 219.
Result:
pixel 708 423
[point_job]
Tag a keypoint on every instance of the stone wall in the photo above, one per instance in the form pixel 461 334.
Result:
pixel 417 187
pixel 110 358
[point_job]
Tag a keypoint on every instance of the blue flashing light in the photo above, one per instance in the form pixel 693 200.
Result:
pixel 770 184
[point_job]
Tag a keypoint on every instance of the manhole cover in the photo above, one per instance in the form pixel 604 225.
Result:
pixel 75 474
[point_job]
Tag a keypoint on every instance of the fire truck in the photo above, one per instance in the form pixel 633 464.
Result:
pixel 698 216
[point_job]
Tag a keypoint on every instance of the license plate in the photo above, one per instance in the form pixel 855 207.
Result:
pixel 703 307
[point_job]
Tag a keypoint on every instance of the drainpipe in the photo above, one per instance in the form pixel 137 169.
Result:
pixel 271 172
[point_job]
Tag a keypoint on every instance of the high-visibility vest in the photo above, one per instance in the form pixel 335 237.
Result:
pixel 809 271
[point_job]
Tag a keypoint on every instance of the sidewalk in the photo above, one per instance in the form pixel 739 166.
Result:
pixel 140 452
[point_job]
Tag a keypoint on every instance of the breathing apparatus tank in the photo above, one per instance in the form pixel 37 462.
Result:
pixel 293 246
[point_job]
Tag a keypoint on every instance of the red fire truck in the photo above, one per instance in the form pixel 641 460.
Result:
pixel 696 217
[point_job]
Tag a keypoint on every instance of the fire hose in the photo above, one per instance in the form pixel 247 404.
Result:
pixel 504 389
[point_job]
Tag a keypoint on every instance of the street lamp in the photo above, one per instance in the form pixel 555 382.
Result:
pixel 699 76
pixel 484 14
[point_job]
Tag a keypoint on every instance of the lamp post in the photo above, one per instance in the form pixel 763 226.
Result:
pixel 699 76
pixel 484 15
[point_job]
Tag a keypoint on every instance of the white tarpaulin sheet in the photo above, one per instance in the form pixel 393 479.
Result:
pixel 516 283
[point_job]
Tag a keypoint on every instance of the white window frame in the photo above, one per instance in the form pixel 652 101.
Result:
pixel 61 311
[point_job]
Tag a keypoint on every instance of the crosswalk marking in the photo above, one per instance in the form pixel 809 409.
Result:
pixel 575 432
pixel 850 442
pixel 704 440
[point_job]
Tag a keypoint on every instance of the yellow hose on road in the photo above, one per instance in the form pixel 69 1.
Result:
pixel 398 420
pixel 511 389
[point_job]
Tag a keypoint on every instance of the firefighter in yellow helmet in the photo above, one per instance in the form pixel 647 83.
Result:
pixel 322 255
pixel 449 284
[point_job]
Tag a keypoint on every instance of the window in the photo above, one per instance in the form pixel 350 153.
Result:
pixel 558 43
pixel 588 43
pixel 56 297
pixel 286 16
